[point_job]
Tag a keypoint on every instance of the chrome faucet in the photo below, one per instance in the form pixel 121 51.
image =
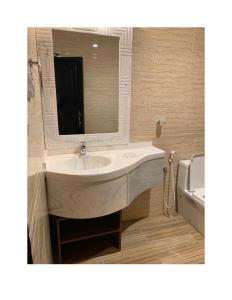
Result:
pixel 82 148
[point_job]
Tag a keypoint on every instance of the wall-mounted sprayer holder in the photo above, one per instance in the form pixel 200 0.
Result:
pixel 171 156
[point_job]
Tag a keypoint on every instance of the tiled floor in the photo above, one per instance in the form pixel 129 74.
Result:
pixel 157 240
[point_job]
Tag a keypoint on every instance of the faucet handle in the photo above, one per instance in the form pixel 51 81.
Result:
pixel 82 148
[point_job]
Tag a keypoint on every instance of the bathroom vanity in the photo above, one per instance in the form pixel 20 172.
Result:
pixel 102 182
pixel 86 194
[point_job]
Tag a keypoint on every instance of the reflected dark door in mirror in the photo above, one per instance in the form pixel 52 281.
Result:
pixel 69 94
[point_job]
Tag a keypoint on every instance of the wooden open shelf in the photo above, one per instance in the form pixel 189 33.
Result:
pixel 74 240
pixel 84 249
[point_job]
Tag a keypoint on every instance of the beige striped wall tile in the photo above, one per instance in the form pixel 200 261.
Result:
pixel 37 202
pixel 167 79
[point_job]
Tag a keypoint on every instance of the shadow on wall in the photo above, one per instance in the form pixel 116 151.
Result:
pixel 158 130
pixel 139 208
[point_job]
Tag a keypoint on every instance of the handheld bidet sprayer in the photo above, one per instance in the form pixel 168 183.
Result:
pixel 170 179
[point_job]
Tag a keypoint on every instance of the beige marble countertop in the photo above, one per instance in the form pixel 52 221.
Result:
pixel 118 162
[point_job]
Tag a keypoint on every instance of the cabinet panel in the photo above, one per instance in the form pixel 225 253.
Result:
pixel 86 200
pixel 145 177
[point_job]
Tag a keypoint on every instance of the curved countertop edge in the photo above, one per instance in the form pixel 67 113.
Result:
pixel 107 175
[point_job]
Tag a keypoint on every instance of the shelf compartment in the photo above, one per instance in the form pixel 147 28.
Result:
pixel 78 229
pixel 83 249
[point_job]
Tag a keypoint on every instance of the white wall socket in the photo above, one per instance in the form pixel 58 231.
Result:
pixel 162 120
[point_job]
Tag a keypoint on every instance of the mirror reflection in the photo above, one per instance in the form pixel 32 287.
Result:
pixel 87 86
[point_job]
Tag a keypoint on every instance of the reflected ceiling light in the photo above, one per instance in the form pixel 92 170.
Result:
pixel 95 45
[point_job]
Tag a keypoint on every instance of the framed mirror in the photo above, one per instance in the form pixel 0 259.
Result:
pixel 87 82
pixel 86 79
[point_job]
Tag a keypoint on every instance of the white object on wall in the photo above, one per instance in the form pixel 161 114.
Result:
pixel 161 120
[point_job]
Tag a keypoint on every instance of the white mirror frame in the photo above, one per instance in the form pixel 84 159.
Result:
pixel 56 143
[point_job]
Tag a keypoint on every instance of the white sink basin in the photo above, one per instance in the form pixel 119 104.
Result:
pixel 100 165
pixel 78 163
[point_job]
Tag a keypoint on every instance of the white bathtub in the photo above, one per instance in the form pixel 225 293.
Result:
pixel 191 191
